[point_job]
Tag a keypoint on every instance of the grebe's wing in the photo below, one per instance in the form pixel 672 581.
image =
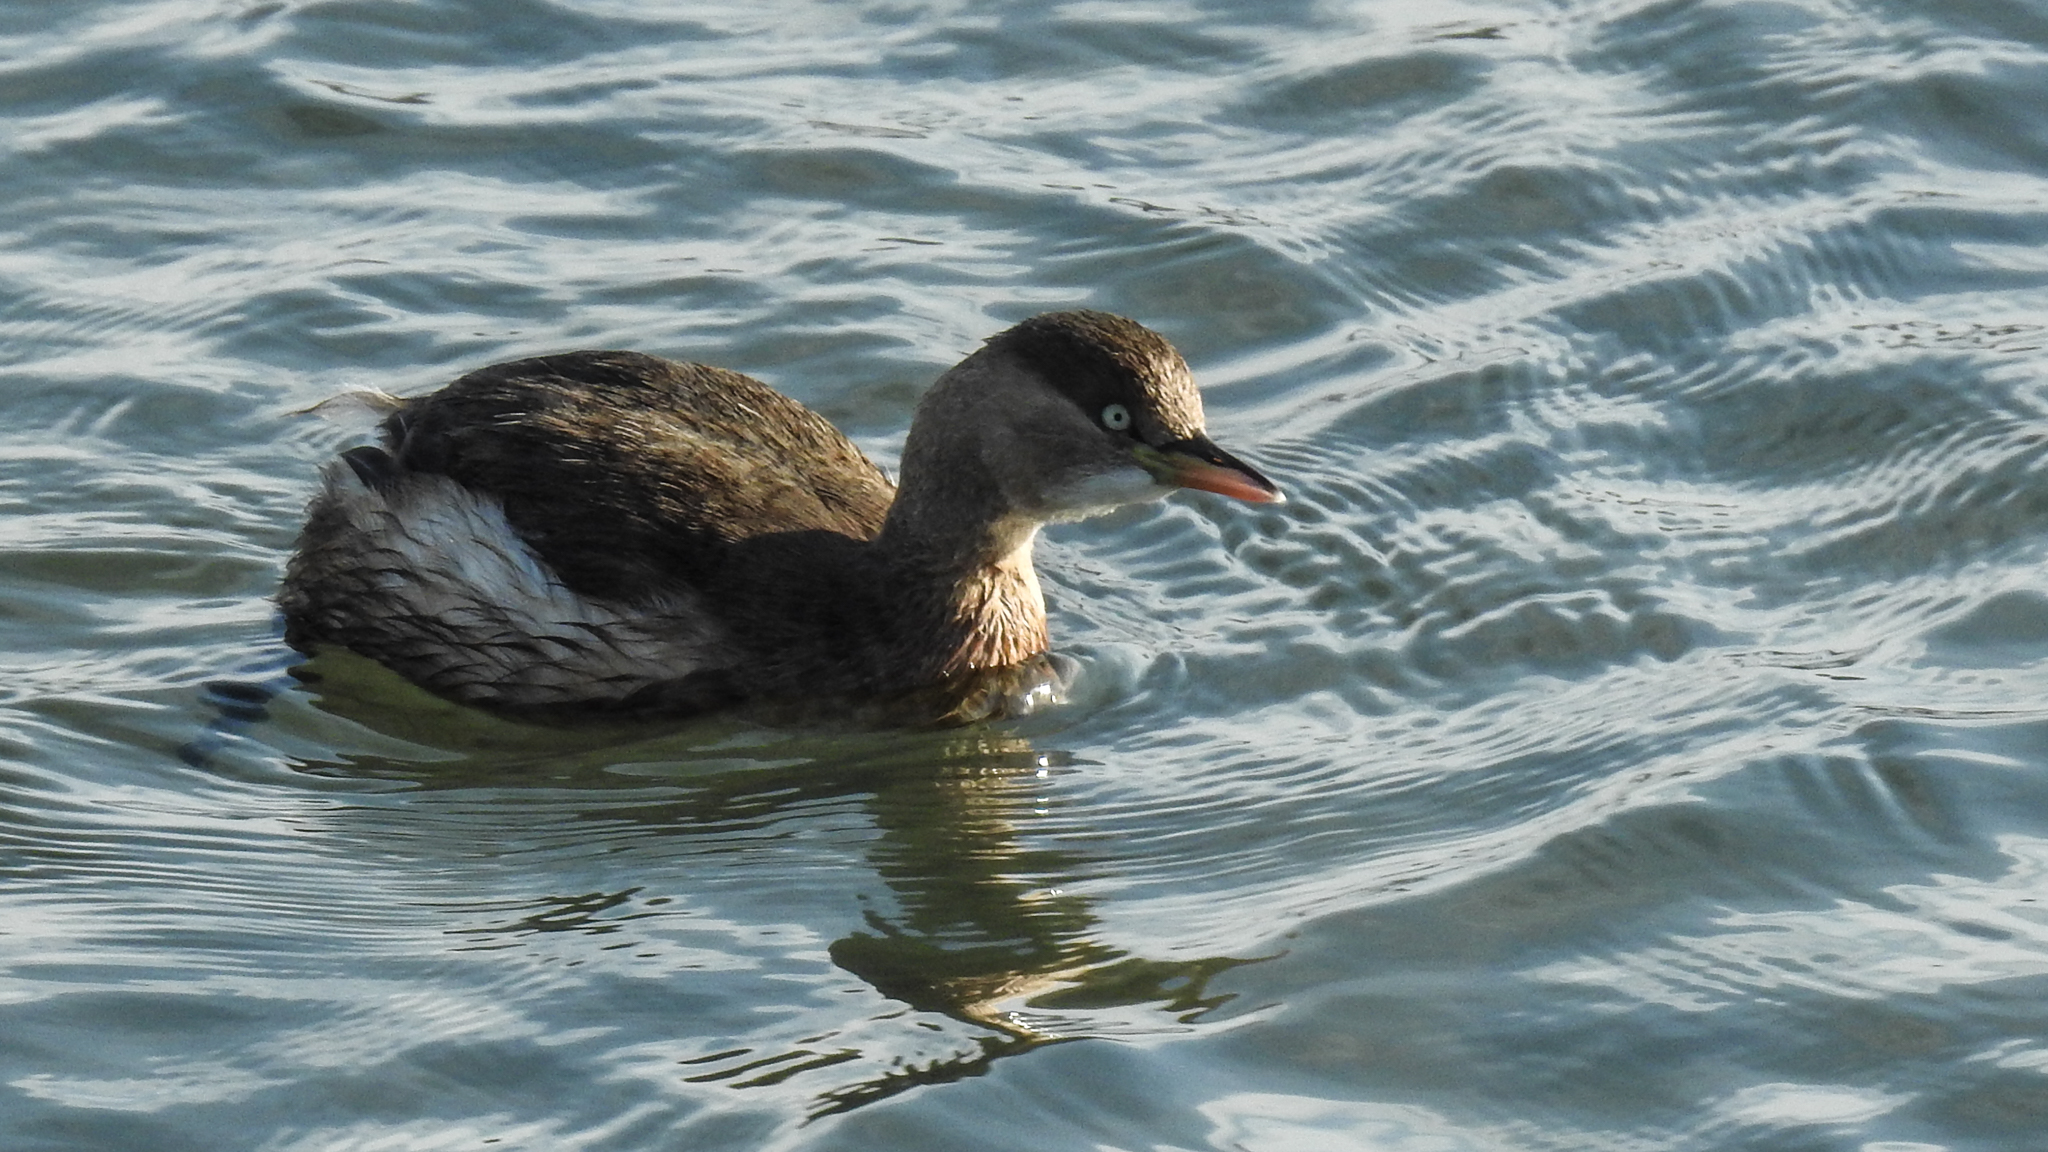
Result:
pixel 626 473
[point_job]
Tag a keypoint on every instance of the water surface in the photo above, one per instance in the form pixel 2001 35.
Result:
pixel 1626 738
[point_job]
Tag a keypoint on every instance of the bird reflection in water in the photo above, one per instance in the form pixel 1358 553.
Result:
pixel 989 930
pixel 981 922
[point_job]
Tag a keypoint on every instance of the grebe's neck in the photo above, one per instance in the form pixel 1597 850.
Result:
pixel 954 541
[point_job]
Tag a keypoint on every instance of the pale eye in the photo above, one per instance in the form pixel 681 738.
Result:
pixel 1116 418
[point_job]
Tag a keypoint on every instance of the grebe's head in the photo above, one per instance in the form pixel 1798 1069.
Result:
pixel 1073 413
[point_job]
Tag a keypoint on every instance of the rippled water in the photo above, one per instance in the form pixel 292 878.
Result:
pixel 1627 738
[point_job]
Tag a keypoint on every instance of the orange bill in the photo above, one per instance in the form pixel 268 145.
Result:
pixel 1198 463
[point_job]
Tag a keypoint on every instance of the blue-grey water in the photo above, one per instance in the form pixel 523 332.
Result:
pixel 1632 735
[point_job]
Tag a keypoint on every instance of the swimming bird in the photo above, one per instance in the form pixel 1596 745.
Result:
pixel 614 532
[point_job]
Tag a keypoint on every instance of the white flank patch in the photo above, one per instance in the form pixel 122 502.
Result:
pixel 448 555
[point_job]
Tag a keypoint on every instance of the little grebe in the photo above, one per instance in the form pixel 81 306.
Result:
pixel 613 531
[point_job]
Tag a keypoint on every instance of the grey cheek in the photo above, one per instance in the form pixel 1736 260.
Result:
pixel 1101 491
